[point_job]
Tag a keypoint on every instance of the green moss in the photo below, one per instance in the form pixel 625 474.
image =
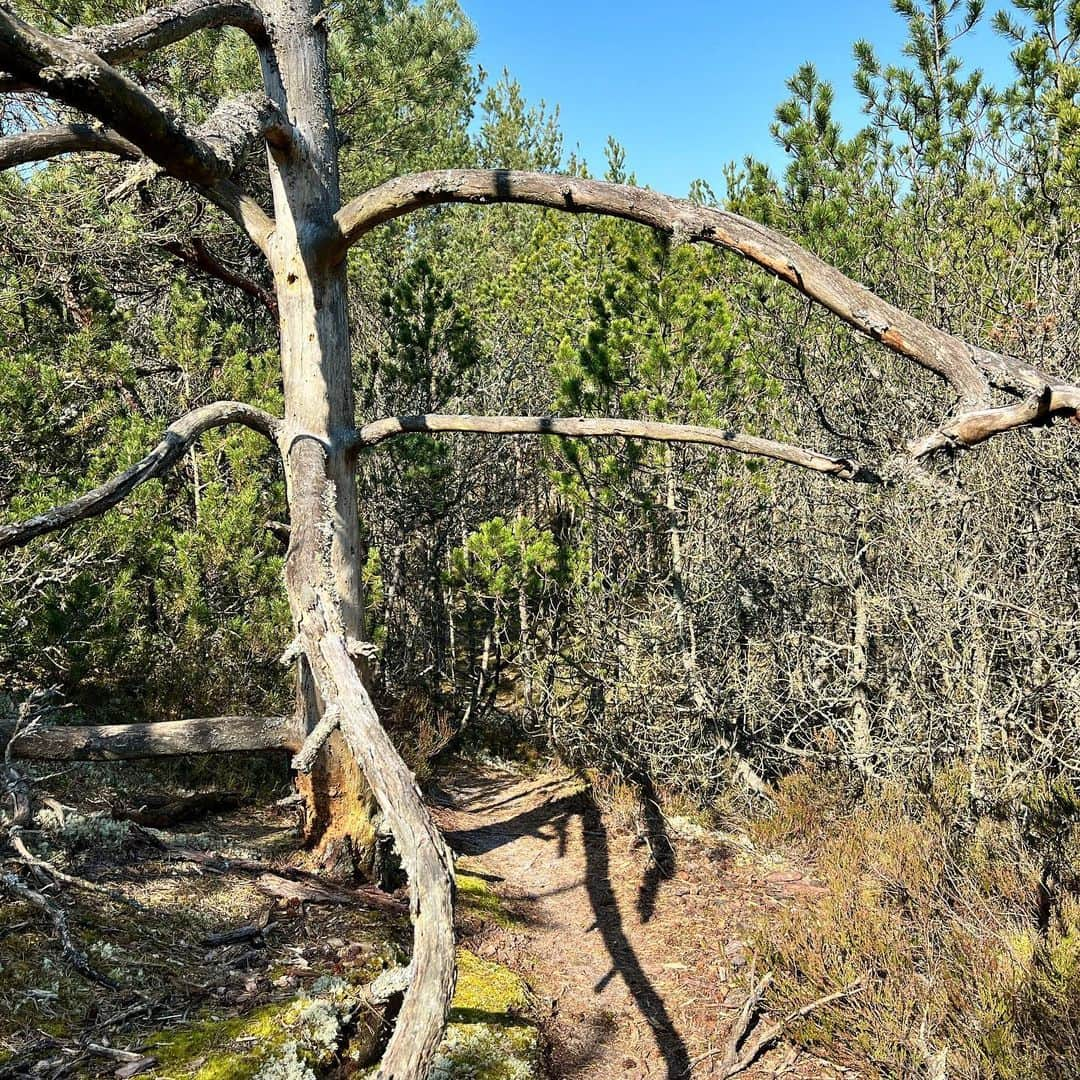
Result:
pixel 210 1049
pixel 484 986
pixel 279 1039
pixel 476 897
pixel 489 1037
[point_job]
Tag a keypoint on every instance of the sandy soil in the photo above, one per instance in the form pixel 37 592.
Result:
pixel 639 962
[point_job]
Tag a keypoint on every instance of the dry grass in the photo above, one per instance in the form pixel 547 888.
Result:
pixel 970 967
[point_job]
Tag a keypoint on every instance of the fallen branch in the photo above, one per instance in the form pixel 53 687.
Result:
pixel 70 952
pixel 165 811
pixel 740 1052
pixel 364 895
pixel 127 742
pixel 424 854
pixel 41 866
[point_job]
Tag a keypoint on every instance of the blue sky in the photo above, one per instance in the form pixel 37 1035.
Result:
pixel 687 86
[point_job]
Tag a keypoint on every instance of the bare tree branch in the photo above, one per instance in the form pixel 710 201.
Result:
pixel 196 253
pixel 234 127
pixel 71 73
pixel 970 371
pixel 238 123
pixel 167 25
pixel 50 142
pixel 120 42
pixel 127 742
pixel 178 437
pixel 588 427
pixel 968 429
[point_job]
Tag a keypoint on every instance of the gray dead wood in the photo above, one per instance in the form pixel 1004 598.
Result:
pixel 126 742
pixel 178 438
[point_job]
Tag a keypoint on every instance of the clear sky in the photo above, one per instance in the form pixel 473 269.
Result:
pixel 689 85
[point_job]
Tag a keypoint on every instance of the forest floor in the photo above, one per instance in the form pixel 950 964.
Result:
pixel 590 946
pixel 634 941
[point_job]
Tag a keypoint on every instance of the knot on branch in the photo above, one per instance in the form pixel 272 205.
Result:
pixel 362 650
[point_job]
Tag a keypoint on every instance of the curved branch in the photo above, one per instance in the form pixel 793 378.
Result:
pixel 70 72
pixel 586 427
pixel 167 25
pixel 178 437
pixel 424 854
pixel 50 142
pixel 238 123
pixel 968 429
pixel 968 370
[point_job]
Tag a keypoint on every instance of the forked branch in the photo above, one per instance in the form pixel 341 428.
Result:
pixel 71 73
pixel 117 43
pixel 968 429
pixel 969 370
pixel 178 437
pixel 586 427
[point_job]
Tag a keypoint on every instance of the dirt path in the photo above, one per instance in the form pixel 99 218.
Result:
pixel 636 960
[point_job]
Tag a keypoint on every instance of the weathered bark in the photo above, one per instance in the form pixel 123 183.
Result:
pixel 129 742
pixel 577 427
pixel 947 356
pixel 316 369
pixel 322 568
pixel 168 24
pixel 178 437
pixel 133 38
pixel 970 370
pixel 305 245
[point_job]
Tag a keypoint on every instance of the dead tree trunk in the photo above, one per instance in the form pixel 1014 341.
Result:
pixel 316 371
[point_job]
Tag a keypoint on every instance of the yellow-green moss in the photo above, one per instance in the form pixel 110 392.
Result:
pixel 489 1036
pixel 209 1049
pixel 477 897
pixel 487 987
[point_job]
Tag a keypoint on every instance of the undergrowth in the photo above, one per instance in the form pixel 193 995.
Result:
pixel 956 925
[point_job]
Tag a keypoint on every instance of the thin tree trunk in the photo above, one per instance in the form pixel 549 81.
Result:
pixel 322 565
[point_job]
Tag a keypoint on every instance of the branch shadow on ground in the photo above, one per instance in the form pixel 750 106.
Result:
pixel 551 821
